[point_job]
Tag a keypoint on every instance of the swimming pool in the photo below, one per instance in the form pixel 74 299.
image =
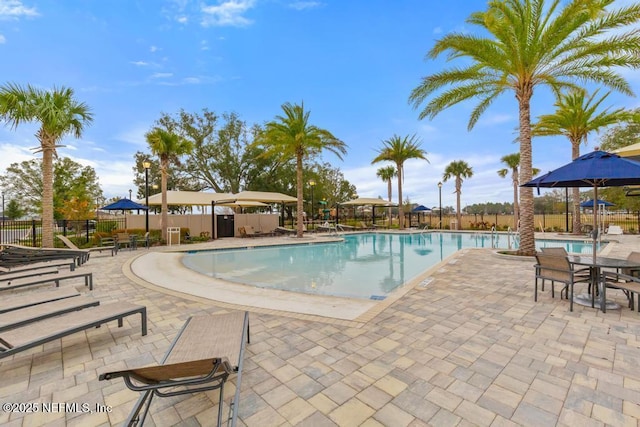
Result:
pixel 369 265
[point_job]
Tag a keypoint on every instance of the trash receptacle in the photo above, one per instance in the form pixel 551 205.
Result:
pixel 173 236
pixel 225 226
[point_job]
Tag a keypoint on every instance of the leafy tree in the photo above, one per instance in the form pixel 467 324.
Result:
pixel 531 43
pixel 76 210
pixel 621 135
pixel 23 181
pixel 398 150
pixel 168 146
pixel 13 210
pixel 59 114
pixel 460 170
pixel 291 136
pixel 512 161
pixel 386 174
pixel 575 117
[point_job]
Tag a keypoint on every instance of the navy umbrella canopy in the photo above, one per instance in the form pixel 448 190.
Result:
pixel 589 203
pixel 420 208
pixel 595 169
pixel 123 205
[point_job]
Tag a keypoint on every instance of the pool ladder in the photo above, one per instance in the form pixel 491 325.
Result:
pixel 512 236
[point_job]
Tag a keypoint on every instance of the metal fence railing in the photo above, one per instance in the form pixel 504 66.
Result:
pixel 29 232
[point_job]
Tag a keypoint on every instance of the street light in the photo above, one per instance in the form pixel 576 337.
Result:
pixel 146 165
pixel 2 234
pixel 129 194
pixel 440 201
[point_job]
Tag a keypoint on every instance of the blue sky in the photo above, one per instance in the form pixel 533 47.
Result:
pixel 353 63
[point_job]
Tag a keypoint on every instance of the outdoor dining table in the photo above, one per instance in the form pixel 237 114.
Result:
pixel 596 282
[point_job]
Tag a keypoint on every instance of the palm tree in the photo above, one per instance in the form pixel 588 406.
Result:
pixel 513 162
pixel 398 150
pixel 458 169
pixel 59 115
pixel 387 173
pixel 168 146
pixel 575 117
pixel 291 136
pixel 532 43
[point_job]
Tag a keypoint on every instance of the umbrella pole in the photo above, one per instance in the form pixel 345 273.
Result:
pixel 595 221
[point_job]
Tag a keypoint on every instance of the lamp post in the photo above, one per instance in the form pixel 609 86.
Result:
pixel 146 165
pixel 312 184
pixel 440 202
pixel 129 194
pixel 2 234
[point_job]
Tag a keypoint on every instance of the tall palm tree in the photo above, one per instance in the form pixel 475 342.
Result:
pixel 59 114
pixel 386 174
pixel 291 136
pixel 575 117
pixel 532 43
pixel 513 163
pixel 458 169
pixel 168 146
pixel 398 150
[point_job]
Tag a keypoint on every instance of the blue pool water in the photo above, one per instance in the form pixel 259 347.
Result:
pixel 363 266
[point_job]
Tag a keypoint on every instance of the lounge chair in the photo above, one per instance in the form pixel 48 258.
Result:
pixel 14 255
pixel 206 351
pixel 20 274
pixel 283 230
pixel 47 278
pixel 249 231
pixel 23 316
pixel 34 334
pixel 35 298
pixel 38 265
pixel 71 245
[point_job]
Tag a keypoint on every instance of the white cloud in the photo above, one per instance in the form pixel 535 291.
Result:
pixel 495 119
pixel 134 135
pixel 182 19
pixel 153 49
pixel 437 30
pixel 2 39
pixel 161 75
pixel 12 153
pixel 13 9
pixel 301 5
pixel 227 13
pixel 139 63
pixel 204 45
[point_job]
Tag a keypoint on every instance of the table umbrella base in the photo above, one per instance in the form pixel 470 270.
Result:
pixel 585 300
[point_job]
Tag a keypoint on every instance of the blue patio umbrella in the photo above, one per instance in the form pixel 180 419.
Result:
pixel 589 203
pixel 123 205
pixel 595 169
pixel 420 208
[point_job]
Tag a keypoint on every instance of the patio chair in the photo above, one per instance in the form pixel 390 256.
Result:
pixel 71 245
pixel 580 275
pixel 205 353
pixel 26 315
pixel 34 334
pixel 628 284
pixel 122 240
pixel 556 269
pixel 283 230
pixel 35 298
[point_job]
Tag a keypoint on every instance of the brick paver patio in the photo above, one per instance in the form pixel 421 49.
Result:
pixel 469 348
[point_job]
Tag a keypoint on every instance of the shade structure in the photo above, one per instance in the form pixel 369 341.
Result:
pixel 262 196
pixel 188 198
pixel 595 169
pixel 123 205
pixel 589 203
pixel 630 151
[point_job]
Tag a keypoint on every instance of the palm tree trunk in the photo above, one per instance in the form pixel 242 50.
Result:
pixel 515 200
pixel 577 226
pixel 527 219
pixel 400 210
pixel 47 195
pixel 389 190
pixel 164 217
pixel 458 213
pixel 299 207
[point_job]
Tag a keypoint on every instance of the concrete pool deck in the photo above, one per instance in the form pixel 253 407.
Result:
pixel 469 348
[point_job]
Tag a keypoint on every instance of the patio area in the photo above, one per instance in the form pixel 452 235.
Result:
pixel 470 347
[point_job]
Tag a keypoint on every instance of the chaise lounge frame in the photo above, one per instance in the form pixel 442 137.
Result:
pixel 34 334
pixel 206 351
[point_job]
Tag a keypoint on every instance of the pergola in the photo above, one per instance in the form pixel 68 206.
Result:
pixel 366 201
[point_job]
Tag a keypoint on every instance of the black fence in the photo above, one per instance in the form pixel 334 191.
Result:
pixel 29 232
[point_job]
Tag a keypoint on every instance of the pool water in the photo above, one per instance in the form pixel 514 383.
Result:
pixel 369 265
